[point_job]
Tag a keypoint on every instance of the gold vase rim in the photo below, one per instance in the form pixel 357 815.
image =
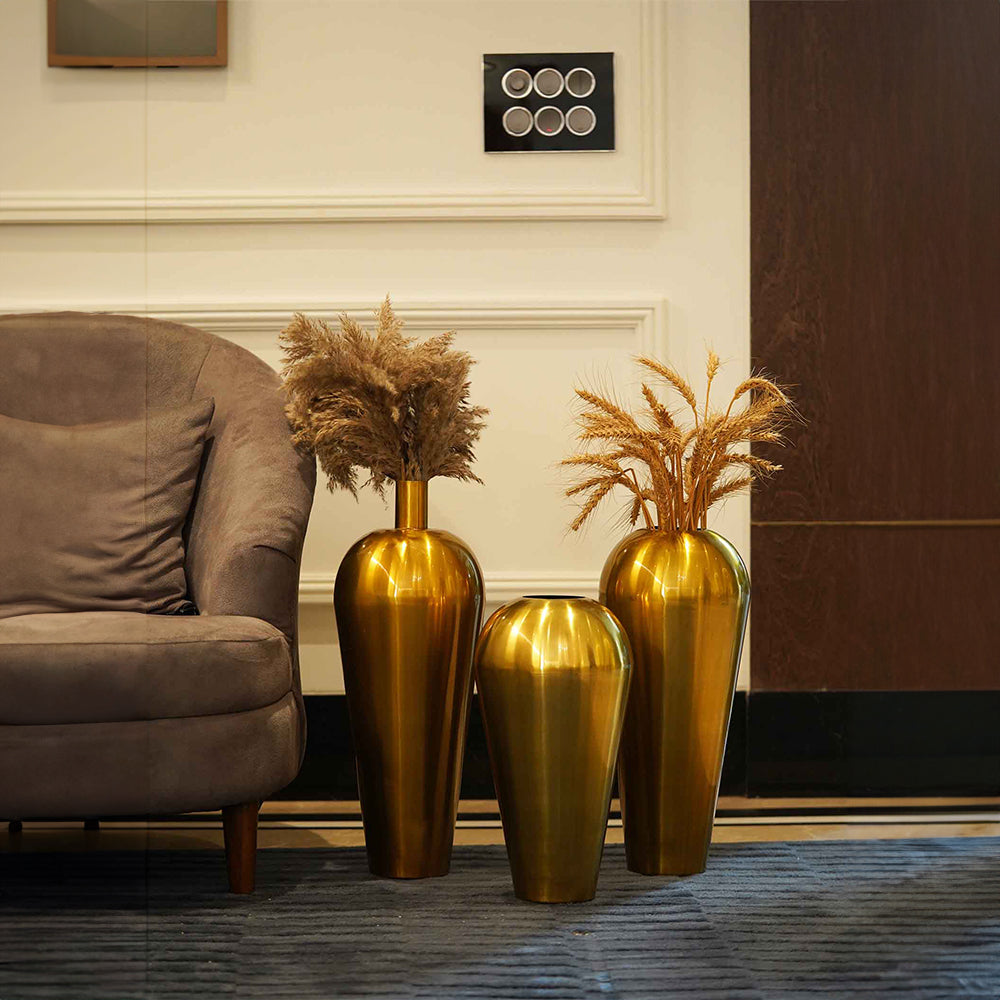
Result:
pixel 656 529
pixel 555 597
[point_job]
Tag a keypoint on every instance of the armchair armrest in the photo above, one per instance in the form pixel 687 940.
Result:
pixel 252 504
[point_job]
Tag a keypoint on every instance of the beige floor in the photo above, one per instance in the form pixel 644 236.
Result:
pixel 318 824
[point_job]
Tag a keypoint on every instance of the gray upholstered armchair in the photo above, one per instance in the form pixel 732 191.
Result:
pixel 115 712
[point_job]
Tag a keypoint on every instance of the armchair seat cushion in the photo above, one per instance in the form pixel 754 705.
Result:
pixel 123 666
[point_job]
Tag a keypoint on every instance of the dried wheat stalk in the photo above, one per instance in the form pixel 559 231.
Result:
pixel 381 401
pixel 683 469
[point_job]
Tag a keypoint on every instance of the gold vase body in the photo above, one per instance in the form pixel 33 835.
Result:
pixel 409 604
pixel 553 677
pixel 683 598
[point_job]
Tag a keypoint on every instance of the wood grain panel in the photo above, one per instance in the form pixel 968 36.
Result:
pixel 875 246
pixel 878 609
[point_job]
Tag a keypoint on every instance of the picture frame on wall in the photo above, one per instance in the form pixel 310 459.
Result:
pixel 138 33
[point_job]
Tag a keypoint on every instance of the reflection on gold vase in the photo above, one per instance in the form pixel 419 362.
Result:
pixel 683 598
pixel 409 604
pixel 553 677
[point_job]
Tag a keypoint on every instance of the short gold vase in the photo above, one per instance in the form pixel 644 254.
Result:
pixel 553 677
pixel 409 604
pixel 683 598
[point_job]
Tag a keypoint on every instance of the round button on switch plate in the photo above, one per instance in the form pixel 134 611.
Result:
pixel 549 120
pixel 549 82
pixel 517 121
pixel 581 120
pixel 580 82
pixel 516 83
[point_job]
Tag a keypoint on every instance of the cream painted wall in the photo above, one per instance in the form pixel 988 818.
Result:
pixel 339 157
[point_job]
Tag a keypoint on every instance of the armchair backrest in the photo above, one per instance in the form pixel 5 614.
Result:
pixel 79 368
pixel 250 511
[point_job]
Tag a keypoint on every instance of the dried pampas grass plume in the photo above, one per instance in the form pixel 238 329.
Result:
pixel 381 402
pixel 684 466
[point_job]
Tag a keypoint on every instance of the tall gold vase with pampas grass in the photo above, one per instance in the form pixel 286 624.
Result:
pixel 408 599
pixel 680 591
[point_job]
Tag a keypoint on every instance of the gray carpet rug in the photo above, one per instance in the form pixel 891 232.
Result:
pixel 917 918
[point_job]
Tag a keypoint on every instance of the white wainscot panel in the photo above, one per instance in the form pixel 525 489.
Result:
pixel 339 110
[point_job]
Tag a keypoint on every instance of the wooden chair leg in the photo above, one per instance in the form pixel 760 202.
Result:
pixel 239 824
pixel 14 826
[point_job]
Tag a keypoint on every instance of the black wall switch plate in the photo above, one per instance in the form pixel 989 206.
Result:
pixel 549 101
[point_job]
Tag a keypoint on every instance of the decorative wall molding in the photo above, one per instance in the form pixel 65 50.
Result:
pixel 256 325
pixel 500 587
pixel 647 202
pixel 75 208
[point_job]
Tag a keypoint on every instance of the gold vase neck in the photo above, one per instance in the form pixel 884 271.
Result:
pixel 411 503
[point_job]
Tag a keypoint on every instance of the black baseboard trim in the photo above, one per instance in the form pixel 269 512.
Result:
pixel 780 744
pixel 328 769
pixel 328 772
pixel 867 743
pixel 734 764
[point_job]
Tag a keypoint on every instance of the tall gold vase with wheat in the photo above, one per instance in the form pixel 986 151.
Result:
pixel 682 598
pixel 680 591
pixel 408 600
pixel 409 604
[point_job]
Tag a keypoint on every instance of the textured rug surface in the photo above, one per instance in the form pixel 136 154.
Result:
pixel 916 918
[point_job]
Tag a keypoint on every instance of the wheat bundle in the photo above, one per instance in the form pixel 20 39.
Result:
pixel 381 402
pixel 681 468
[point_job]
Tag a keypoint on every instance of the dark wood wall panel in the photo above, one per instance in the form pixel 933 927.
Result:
pixel 875 229
pixel 875 291
pixel 875 609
